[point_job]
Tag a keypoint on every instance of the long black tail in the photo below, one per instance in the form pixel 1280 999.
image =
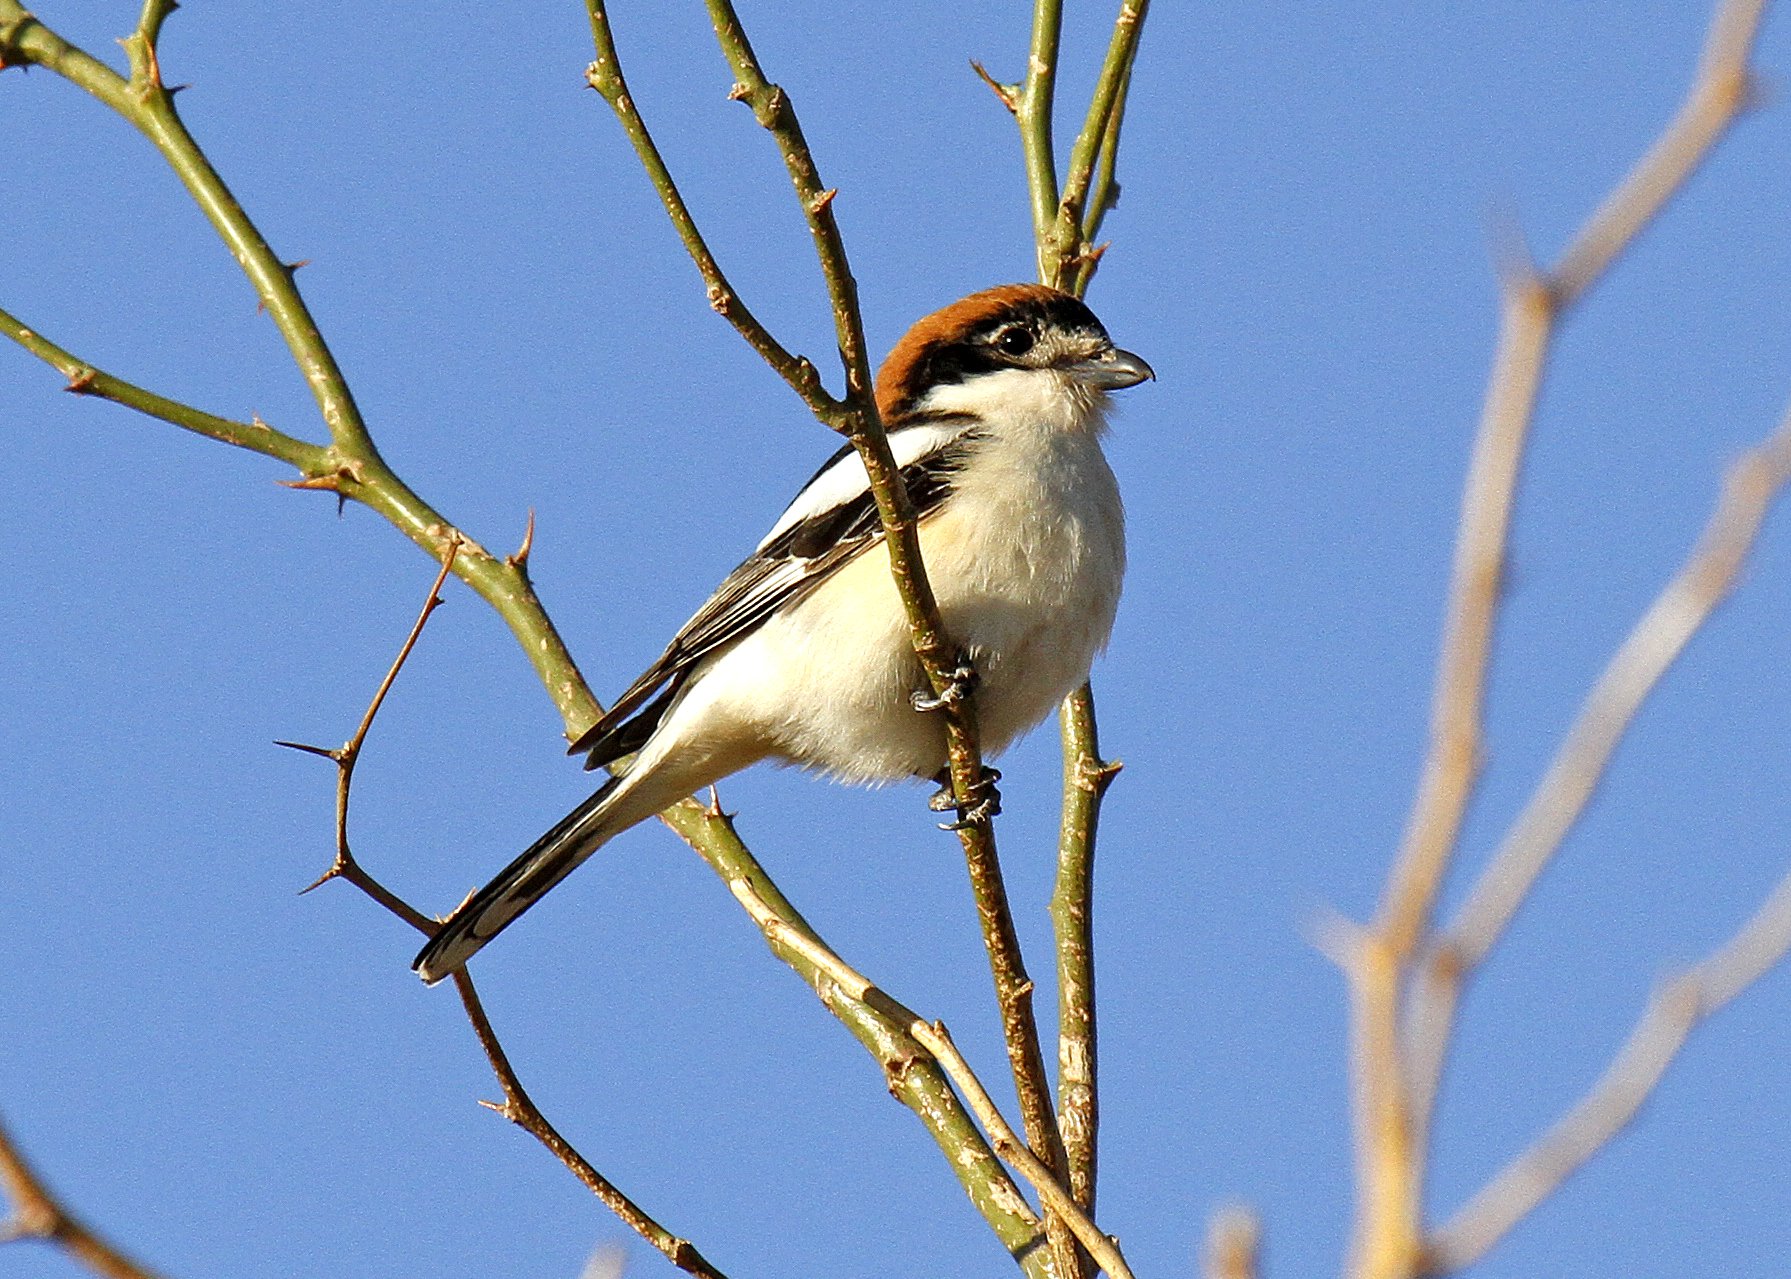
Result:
pixel 523 883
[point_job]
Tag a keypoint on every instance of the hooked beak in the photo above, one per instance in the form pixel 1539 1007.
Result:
pixel 1111 370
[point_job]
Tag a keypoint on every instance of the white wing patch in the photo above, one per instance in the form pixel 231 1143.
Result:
pixel 843 479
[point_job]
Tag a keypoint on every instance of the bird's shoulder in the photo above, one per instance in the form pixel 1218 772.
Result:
pixel 831 521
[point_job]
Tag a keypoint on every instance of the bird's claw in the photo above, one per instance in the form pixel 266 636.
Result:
pixel 958 685
pixel 983 802
pixel 944 801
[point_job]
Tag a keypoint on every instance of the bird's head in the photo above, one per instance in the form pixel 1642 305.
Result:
pixel 1022 347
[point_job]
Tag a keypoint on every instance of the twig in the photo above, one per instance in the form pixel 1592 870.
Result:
pixel 1086 777
pixel 774 111
pixel 1035 116
pixel 520 1109
pixel 1681 609
pixel 712 835
pixel 856 416
pixel 85 379
pixel 517 1105
pixel 1077 220
pixel 38 1214
pixel 1393 1107
pixel 346 756
pixel 934 1037
pixel 605 76
pixel 1671 1016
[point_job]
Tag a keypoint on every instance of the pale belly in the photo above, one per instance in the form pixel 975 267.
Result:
pixel 1032 599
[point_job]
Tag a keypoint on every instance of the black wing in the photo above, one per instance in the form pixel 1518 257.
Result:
pixel 802 553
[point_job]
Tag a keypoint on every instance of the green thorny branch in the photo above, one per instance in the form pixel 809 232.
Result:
pixel 1066 222
pixel 351 466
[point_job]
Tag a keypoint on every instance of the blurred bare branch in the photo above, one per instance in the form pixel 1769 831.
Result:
pixel 1398 964
pixel 38 1214
pixel 1674 1012
pixel 1234 1244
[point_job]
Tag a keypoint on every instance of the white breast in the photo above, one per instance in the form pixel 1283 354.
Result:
pixel 1027 561
pixel 1025 557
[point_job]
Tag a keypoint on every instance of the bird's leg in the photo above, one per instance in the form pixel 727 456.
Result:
pixel 959 684
pixel 983 802
pixel 943 801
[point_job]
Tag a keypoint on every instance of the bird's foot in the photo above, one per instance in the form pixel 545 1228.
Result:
pixel 959 684
pixel 943 801
pixel 983 802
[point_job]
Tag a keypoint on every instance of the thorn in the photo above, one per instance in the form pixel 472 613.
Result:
pixel 520 560
pixel 332 480
pixel 715 813
pixel 1009 94
pixel 332 873
pixel 323 751
pixel 256 422
pixel 819 204
pixel 173 89
pixel 497 1106
pixel 1097 776
pixel 82 382
pixel 292 268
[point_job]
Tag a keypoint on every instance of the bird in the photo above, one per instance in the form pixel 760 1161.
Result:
pixel 995 408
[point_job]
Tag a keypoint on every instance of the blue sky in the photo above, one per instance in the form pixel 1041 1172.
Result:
pixel 233 1079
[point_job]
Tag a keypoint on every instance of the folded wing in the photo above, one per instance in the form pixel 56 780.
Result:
pixel 832 521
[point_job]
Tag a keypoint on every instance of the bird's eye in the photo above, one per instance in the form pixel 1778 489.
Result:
pixel 1016 340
